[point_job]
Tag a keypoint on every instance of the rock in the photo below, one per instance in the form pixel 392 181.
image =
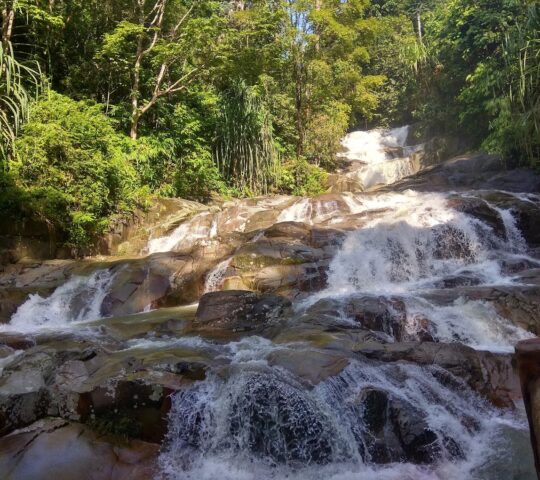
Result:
pixel 266 415
pixel 528 363
pixel 517 304
pixel 481 210
pixel 397 431
pixel 264 253
pixel 53 449
pixel 471 171
pixel 376 313
pixel 312 366
pixel 237 310
pixel 490 374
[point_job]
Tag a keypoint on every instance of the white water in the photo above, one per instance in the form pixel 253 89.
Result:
pixel 374 149
pixel 414 243
pixel 200 227
pixel 78 300
pixel 215 277
pixel 260 423
pixel 252 421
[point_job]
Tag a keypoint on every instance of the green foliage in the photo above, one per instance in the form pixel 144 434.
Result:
pixel 242 98
pixel 299 177
pixel 244 146
pixel 198 177
pixel 73 167
pixel 15 96
pixel 326 129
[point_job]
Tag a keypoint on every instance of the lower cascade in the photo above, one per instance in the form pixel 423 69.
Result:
pixel 354 335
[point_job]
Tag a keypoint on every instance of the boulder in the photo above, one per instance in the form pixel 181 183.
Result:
pixel 396 430
pixel 53 449
pixel 491 374
pixel 239 310
pixel 528 364
pixel 311 366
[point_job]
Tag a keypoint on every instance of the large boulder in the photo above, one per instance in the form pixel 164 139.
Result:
pixel 396 430
pixel 240 311
pixel 528 361
pixel 491 374
pixel 53 449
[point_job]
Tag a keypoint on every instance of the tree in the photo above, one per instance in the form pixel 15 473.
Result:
pixel 164 48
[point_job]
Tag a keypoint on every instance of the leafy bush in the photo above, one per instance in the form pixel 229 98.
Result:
pixel 198 177
pixel 74 168
pixel 299 177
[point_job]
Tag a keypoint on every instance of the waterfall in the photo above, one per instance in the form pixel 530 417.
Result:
pixel 215 277
pixel 384 156
pixel 79 299
pixel 257 422
pixel 414 244
pixel 200 227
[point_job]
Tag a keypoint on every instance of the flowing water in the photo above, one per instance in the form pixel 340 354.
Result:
pixel 253 420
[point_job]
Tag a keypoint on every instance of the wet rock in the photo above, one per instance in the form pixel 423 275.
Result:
pixel 481 210
pixel 288 280
pixel 237 310
pixel 53 449
pixel 397 431
pixel 518 304
pixel 528 361
pixel 266 253
pixel 376 313
pixel 490 374
pixel 471 171
pixel 311 366
pixel 278 422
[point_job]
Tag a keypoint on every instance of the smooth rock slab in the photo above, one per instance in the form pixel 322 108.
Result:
pixel 52 449
pixel 240 310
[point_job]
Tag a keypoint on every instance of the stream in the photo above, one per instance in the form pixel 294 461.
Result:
pixel 356 335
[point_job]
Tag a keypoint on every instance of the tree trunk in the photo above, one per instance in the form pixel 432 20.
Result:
pixel 318 6
pixel 419 27
pixel 299 106
pixel 8 17
pixel 136 83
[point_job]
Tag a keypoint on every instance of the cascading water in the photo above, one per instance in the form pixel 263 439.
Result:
pixel 384 153
pixel 79 299
pixel 253 420
pixel 333 412
pixel 200 227
pixel 415 243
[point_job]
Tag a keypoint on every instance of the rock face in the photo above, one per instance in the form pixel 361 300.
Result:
pixel 528 360
pixel 34 238
pixel 237 311
pixel 52 449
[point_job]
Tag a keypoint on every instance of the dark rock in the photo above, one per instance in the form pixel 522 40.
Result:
pixel 490 374
pixel 528 362
pixel 397 431
pixel 239 310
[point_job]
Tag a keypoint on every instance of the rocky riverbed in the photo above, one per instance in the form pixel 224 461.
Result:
pixel 358 334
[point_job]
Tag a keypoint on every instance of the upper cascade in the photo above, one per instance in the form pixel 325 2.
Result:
pixel 380 156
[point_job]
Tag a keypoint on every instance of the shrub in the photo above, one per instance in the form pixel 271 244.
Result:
pixel 73 167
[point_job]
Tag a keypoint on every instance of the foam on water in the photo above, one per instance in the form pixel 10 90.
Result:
pixel 78 300
pixel 261 423
pixel 414 243
pixel 377 150
pixel 201 227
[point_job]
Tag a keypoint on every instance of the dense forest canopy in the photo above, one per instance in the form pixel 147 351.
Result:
pixel 104 103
